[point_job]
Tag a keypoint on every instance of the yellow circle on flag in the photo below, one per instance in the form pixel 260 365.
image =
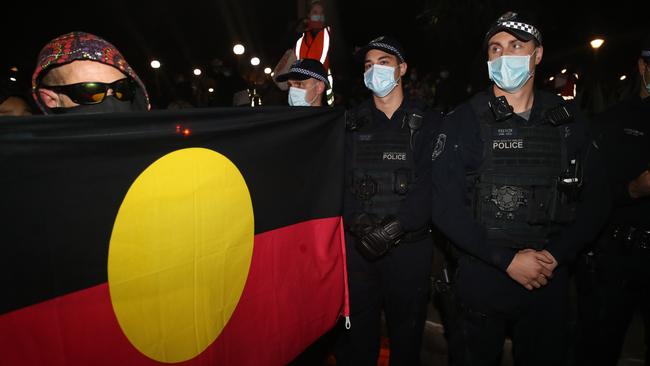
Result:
pixel 180 252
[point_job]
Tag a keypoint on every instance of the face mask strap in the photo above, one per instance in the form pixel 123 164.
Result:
pixel 532 73
pixel 307 91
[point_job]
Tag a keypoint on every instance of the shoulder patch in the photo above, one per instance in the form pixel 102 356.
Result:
pixel 439 147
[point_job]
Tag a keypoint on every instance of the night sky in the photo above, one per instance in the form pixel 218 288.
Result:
pixel 437 35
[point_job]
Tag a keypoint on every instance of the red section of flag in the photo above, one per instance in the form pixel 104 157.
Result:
pixel 294 293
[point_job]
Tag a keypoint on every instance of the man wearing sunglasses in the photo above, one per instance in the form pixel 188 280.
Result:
pixel 81 73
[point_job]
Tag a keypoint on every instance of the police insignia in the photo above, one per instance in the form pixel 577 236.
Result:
pixel 440 146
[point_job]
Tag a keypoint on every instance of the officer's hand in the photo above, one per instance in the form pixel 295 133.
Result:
pixel 549 266
pixel 381 238
pixel 640 187
pixel 527 270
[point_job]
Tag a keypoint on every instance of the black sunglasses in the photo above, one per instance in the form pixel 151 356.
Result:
pixel 95 92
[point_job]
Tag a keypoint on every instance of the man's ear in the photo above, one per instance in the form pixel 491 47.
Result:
pixel 539 54
pixel 49 98
pixel 320 88
pixel 402 69
pixel 642 66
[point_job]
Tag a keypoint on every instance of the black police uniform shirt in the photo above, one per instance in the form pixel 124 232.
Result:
pixel 624 132
pixel 413 212
pixel 459 152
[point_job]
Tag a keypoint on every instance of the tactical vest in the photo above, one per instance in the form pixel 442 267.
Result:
pixel 517 192
pixel 382 161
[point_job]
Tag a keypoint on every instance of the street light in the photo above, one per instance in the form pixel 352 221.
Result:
pixel 155 64
pixel 268 71
pixel 623 77
pixel 238 49
pixel 197 72
pixel 255 61
pixel 210 90
pixel 563 71
pixel 12 78
pixel 596 43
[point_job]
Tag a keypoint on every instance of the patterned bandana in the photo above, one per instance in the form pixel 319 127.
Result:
pixel 80 46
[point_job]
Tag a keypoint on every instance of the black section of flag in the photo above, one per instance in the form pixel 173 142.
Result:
pixel 64 178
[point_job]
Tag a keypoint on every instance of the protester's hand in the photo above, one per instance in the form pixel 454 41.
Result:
pixel 526 268
pixel 640 187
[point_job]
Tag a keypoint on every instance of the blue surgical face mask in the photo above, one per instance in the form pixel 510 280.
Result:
pixel 317 18
pixel 510 73
pixel 380 80
pixel 298 97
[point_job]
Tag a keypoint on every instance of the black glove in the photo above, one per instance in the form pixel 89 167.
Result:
pixel 381 238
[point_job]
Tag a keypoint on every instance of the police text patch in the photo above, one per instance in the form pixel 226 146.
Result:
pixel 508 144
pixel 390 155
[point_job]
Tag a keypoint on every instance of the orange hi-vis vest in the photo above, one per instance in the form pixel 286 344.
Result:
pixel 314 47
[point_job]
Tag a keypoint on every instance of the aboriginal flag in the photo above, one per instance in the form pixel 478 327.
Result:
pixel 198 237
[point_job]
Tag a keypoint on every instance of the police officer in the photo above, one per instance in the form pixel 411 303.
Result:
pixel 506 178
pixel 307 81
pixel 620 261
pixel 388 237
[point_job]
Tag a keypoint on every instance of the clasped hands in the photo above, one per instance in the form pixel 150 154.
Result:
pixel 532 269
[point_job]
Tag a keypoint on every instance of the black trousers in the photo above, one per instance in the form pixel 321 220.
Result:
pixel 612 285
pixel 493 306
pixel 399 284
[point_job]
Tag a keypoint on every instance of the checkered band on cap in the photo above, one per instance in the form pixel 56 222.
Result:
pixel 388 47
pixel 311 74
pixel 523 27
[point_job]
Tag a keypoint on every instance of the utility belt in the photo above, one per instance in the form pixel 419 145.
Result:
pixel 631 236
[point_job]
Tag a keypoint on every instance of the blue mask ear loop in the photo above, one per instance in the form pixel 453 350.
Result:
pixel 315 96
pixel 532 74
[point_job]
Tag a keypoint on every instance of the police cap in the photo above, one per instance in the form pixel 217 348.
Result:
pixel 517 25
pixel 383 43
pixel 304 69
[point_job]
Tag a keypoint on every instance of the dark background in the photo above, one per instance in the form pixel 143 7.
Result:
pixel 443 35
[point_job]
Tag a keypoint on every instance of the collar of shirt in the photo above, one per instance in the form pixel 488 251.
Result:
pixel 380 117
